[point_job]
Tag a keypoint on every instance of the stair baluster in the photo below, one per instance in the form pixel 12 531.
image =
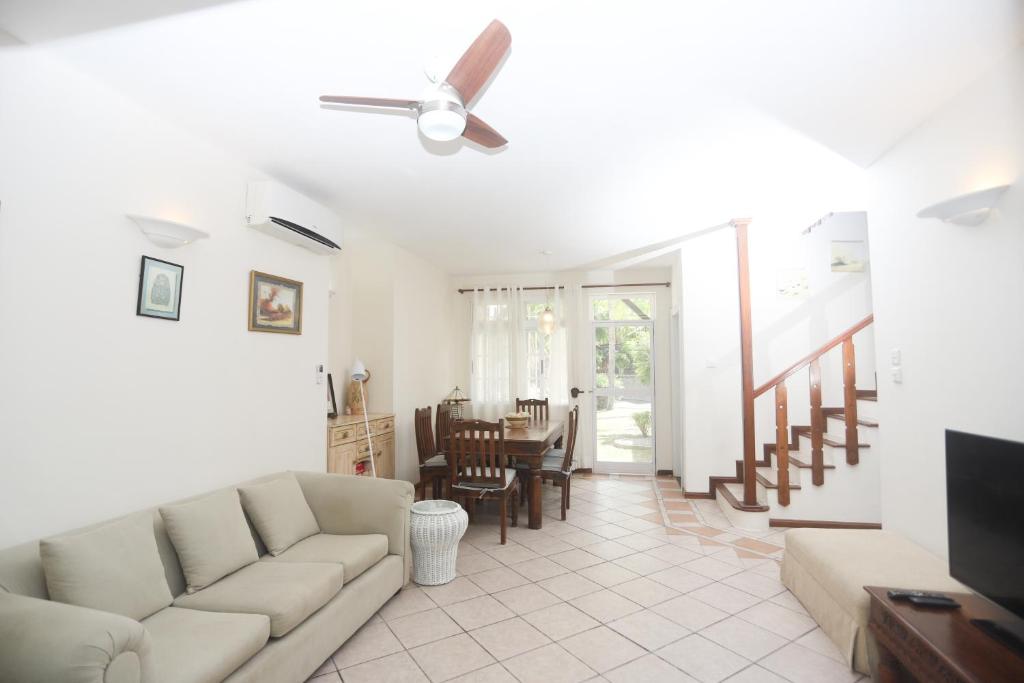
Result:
pixel 782 441
pixel 850 401
pixel 817 425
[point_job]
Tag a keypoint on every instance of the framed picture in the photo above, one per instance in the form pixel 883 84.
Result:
pixel 849 256
pixel 159 289
pixel 332 402
pixel 275 304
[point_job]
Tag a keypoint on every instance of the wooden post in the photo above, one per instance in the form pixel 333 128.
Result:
pixel 817 426
pixel 746 362
pixel 782 441
pixel 850 401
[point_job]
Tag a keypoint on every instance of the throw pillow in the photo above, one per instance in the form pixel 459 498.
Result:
pixel 280 513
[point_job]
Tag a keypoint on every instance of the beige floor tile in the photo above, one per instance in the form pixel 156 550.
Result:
pixel 800 665
pixel 789 601
pixel 648 669
pixel 473 563
pixel 693 614
pixel 549 664
pixel 580 538
pixel 546 545
pixel 369 642
pixel 639 509
pixel 526 598
pixel 778 620
pixel 724 597
pixel 409 600
pixel 494 580
pixel 539 569
pixel 642 563
pixel 509 638
pixel 639 542
pixel 613 515
pixel 451 657
pixel 755 584
pixel 817 641
pixel 755 674
pixel 757 546
pixel 771 569
pixel 569 586
pixel 645 592
pixel 576 559
pixel 649 629
pixel 481 611
pixel 560 621
pixel 602 649
pixel 424 627
pixel 396 668
pixel 609 550
pixel 605 605
pixel 558 528
pixel 639 524
pixel 743 638
pixel 495 673
pixel 611 531
pixel 680 579
pixel 706 661
pixel 454 591
pixel 512 554
pixel 607 574
pixel 712 568
pixel 673 554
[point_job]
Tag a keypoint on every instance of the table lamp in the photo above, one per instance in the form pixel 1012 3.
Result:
pixel 359 374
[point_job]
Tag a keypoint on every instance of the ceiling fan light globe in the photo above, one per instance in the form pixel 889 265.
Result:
pixel 442 125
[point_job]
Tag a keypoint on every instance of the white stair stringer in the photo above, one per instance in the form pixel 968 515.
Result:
pixel 753 521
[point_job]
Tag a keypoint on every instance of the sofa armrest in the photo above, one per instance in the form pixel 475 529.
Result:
pixel 344 504
pixel 52 642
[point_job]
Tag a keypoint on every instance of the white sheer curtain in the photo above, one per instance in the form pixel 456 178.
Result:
pixel 580 346
pixel 496 367
pixel 558 374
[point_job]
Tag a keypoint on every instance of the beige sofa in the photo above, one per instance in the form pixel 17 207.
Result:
pixel 827 570
pixel 275 620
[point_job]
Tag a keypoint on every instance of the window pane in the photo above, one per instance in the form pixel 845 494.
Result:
pixel 632 356
pixel 624 430
pixel 601 357
pixel 622 307
pixel 533 310
pixel 599 309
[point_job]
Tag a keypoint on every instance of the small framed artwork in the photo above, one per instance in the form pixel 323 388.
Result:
pixel 332 402
pixel 159 289
pixel 849 256
pixel 275 304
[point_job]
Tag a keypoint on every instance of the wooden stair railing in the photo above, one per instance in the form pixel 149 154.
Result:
pixel 813 362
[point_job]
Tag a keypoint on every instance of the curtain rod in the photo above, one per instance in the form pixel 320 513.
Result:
pixel 625 284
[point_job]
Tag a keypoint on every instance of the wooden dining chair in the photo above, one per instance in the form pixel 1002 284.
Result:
pixel 443 426
pixel 536 407
pixel 478 468
pixel 433 465
pixel 557 464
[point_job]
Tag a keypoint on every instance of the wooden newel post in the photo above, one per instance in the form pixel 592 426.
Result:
pixel 817 426
pixel 746 361
pixel 850 401
pixel 782 441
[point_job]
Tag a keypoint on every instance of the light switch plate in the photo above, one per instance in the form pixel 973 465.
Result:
pixel 895 357
pixel 319 369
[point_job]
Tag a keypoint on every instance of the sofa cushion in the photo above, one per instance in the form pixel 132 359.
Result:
pixel 356 553
pixel 279 512
pixel 193 646
pixel 287 592
pixel 114 567
pixel 211 537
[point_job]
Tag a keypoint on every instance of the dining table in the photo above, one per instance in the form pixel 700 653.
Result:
pixel 530 444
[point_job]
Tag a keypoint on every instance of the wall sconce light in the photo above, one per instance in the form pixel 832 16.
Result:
pixel 971 209
pixel 167 234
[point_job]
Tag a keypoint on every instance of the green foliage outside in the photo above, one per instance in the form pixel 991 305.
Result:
pixel 643 422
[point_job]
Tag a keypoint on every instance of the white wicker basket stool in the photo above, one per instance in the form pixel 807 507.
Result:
pixel 435 530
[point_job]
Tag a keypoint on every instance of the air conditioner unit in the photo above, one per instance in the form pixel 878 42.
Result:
pixel 281 212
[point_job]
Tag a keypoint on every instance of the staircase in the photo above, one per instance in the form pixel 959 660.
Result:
pixel 822 474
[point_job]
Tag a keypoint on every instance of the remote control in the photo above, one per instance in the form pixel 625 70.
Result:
pixel 905 594
pixel 944 602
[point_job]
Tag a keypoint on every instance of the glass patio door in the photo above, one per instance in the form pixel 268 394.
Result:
pixel 624 396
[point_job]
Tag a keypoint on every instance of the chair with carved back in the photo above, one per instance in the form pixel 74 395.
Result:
pixel 443 426
pixel 478 468
pixel 433 466
pixel 536 407
pixel 557 465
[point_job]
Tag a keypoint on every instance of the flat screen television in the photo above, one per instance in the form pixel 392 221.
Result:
pixel 985 498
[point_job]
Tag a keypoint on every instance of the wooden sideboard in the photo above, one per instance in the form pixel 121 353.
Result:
pixel 348 452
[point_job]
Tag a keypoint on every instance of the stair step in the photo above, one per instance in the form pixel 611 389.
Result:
pixel 766 476
pixel 797 462
pixel 806 433
pixel 867 394
pixel 732 493
pixel 862 421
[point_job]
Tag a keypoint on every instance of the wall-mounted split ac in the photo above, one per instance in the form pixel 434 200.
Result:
pixel 281 212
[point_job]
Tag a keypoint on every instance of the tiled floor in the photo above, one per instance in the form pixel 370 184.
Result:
pixel 637 585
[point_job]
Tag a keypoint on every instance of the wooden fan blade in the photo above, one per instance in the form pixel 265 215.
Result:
pixel 370 101
pixel 479 61
pixel 480 133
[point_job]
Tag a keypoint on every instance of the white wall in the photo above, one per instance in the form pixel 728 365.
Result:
pixel 948 296
pixel 784 331
pixel 582 343
pixel 391 309
pixel 103 412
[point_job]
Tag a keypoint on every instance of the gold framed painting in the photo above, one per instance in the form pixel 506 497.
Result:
pixel 275 304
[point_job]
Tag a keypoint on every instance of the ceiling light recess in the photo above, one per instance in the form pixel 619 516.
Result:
pixel 970 209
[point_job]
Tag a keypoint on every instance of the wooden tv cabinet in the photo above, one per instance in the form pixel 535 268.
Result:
pixel 927 644
pixel 348 452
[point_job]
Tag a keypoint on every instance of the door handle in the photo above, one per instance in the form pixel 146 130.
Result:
pixel 575 392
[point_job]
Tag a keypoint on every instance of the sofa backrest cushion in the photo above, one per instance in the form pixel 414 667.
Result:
pixel 280 513
pixel 115 567
pixel 211 536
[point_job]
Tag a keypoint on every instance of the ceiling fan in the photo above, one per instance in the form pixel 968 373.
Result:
pixel 442 114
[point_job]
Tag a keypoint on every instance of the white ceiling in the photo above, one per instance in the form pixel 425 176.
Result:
pixel 628 123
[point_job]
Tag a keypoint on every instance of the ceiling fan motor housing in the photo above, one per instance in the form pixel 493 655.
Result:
pixel 442 115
